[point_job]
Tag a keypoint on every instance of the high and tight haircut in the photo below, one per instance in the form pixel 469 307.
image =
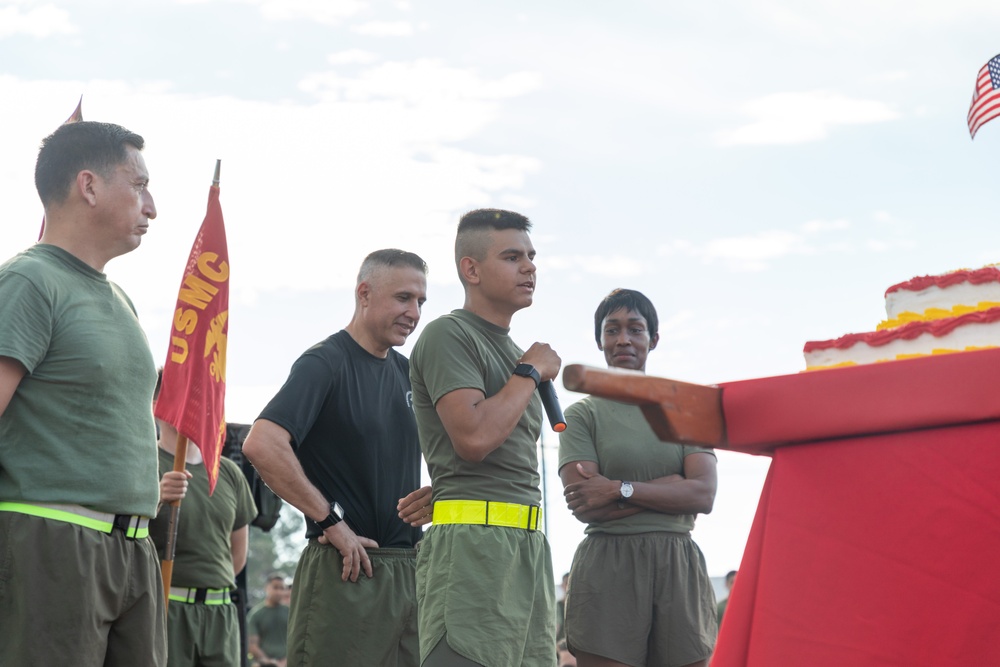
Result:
pixel 473 224
pixel 275 576
pixel 99 147
pixel 630 300
pixel 389 258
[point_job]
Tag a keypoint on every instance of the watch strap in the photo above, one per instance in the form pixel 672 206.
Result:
pixel 528 371
pixel 335 516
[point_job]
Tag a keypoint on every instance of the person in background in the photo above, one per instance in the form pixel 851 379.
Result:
pixel 721 608
pixel 80 580
pixel 640 592
pixel 561 608
pixel 211 549
pixel 267 624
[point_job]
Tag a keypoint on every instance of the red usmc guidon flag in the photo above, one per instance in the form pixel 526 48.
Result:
pixel 193 391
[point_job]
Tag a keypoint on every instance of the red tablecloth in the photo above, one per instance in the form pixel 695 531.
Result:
pixel 877 536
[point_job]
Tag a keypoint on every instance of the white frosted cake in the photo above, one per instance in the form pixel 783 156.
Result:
pixel 952 312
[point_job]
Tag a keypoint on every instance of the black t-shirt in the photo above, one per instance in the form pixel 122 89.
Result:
pixel 350 416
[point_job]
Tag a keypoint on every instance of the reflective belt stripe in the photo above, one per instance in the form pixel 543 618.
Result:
pixel 487 513
pixel 81 516
pixel 190 595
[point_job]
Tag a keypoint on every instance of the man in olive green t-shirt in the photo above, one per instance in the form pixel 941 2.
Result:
pixel 210 550
pixel 479 419
pixel 77 442
pixel 267 625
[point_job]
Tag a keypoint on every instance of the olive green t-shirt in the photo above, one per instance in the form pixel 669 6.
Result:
pixel 463 351
pixel 79 427
pixel 618 438
pixel 203 557
pixel 270 624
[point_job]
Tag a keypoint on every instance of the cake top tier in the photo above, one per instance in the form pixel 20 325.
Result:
pixel 987 274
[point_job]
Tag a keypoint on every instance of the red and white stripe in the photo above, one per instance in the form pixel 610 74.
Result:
pixel 985 99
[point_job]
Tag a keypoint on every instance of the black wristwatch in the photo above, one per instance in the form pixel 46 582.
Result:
pixel 528 371
pixel 335 516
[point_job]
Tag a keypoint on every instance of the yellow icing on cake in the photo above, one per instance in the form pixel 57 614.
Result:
pixel 934 314
pixel 915 355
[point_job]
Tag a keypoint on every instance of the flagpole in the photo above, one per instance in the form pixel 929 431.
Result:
pixel 74 117
pixel 167 564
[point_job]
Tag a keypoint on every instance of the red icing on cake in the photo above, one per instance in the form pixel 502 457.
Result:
pixel 989 274
pixel 908 331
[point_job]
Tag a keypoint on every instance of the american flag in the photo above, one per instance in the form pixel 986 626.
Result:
pixel 986 98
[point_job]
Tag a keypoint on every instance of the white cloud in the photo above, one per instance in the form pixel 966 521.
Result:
pixel 814 226
pixel 424 81
pixel 352 57
pixel 756 252
pixel 43 21
pixel 384 29
pixel 890 76
pixel 793 118
pixel 823 19
pixel 328 12
pixel 612 266
pixel 753 252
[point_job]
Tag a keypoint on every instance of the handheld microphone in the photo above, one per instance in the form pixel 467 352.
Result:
pixel 551 404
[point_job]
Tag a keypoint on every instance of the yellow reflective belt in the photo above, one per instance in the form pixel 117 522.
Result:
pixel 191 595
pixel 487 513
pixel 81 516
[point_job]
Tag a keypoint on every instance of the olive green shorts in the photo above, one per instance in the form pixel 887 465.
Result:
pixel 489 591
pixel 201 635
pixel 74 595
pixel 641 599
pixel 367 622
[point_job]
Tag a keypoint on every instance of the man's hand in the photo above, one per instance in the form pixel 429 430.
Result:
pixel 416 508
pixel 351 548
pixel 174 486
pixel 544 359
pixel 593 492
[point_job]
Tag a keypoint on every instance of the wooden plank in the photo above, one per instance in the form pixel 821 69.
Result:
pixel 678 411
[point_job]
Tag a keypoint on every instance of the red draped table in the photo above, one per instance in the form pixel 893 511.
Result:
pixel 877 535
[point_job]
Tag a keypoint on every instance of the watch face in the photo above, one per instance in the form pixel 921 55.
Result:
pixel 528 371
pixel 335 516
pixel 626 490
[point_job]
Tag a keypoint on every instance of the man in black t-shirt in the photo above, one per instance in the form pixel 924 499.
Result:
pixel 339 442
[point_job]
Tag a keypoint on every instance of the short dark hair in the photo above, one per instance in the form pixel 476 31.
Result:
pixel 389 258
pixel 470 240
pixel 74 147
pixel 629 299
pixel 730 575
pixel 274 576
pixel 493 218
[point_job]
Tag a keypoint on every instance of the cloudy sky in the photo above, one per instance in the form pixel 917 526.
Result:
pixel 763 170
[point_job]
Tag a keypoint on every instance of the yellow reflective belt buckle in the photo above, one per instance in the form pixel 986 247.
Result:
pixel 133 527
pixel 206 596
pixel 487 513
